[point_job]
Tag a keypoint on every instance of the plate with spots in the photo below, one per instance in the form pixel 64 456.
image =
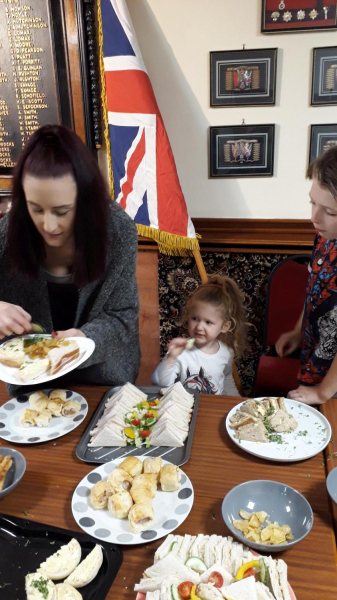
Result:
pixel 170 509
pixel 12 431
pixel 311 436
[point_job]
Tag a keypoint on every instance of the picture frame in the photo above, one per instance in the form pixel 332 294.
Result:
pixel 243 77
pixel 322 137
pixel 298 15
pixel 324 76
pixel 242 151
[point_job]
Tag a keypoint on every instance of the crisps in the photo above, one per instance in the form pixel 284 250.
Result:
pixel 257 528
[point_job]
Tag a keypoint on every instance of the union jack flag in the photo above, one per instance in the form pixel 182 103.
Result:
pixel 145 178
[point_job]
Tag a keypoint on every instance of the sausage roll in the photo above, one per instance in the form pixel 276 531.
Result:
pixel 141 494
pixel 141 517
pixel 120 480
pixel 152 465
pixel 70 408
pixel 120 504
pixel 60 394
pixel 43 418
pixel 132 465
pixel 55 406
pixel 100 494
pixel 148 480
pixel 38 400
pixel 169 478
pixel 27 417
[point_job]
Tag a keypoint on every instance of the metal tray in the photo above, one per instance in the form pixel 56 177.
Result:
pixel 177 456
pixel 25 544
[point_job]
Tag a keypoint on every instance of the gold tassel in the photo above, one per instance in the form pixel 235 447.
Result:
pixel 170 243
pixel 104 98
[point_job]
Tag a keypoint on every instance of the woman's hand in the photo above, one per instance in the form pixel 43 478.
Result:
pixel 13 319
pixel 308 395
pixel 68 333
pixel 288 342
pixel 175 347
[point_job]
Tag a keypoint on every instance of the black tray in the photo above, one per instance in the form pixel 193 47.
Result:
pixel 99 455
pixel 25 544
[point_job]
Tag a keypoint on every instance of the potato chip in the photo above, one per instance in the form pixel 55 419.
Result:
pixel 257 528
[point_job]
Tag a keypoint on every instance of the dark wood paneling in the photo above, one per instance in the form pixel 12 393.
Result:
pixel 147 278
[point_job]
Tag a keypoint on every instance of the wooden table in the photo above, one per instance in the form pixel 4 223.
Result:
pixel 216 465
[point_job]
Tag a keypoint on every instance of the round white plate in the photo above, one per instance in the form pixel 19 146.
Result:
pixel 87 346
pixel 311 436
pixel 12 431
pixel 170 508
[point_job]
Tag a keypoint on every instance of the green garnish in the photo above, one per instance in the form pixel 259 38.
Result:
pixel 276 438
pixel 41 586
pixel 303 432
pixel 33 340
pixel 270 411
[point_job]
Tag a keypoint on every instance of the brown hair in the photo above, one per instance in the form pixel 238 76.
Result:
pixel 223 292
pixel 324 169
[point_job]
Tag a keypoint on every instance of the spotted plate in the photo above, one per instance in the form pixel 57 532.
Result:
pixel 170 508
pixel 12 431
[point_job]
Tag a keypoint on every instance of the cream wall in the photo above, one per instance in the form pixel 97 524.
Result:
pixel 176 37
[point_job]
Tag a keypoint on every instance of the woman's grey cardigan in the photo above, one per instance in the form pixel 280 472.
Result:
pixel 107 310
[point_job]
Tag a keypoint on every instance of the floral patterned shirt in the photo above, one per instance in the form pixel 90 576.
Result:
pixel 319 328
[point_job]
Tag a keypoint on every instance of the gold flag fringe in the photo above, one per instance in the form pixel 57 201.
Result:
pixel 104 97
pixel 169 243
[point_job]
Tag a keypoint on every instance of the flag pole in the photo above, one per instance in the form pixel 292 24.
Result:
pixel 200 265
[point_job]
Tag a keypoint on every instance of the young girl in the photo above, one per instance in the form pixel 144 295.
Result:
pixel 214 312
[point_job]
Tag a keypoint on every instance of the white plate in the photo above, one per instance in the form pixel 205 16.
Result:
pixel 297 445
pixel 170 508
pixel 12 431
pixel 87 346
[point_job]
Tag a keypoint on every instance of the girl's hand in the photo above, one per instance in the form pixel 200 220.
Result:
pixel 68 333
pixel 308 395
pixel 175 347
pixel 288 342
pixel 13 319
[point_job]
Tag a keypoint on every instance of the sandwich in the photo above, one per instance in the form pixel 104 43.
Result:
pixel 60 564
pixel 12 353
pixel 64 591
pixel 87 569
pixel 59 357
pixel 32 370
pixel 39 587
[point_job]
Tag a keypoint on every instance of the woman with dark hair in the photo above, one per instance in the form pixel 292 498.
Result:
pixel 68 256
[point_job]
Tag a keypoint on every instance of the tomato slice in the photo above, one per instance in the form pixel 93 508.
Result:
pixel 148 415
pixel 144 434
pixel 249 573
pixel 152 404
pixel 184 589
pixel 135 422
pixel 216 578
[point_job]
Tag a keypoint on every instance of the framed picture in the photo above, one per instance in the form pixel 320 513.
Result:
pixel 243 77
pixel 324 76
pixel 298 15
pixel 322 138
pixel 242 151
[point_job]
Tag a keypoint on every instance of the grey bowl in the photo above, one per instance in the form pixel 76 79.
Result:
pixel 282 503
pixel 15 473
pixel 331 484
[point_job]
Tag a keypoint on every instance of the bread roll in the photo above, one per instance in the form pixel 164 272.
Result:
pixel 27 417
pixel 55 406
pixel 65 591
pixel 132 465
pixel 33 581
pixel 87 569
pixel 120 480
pixel 120 504
pixel 60 564
pixel 43 418
pixel 169 478
pixel 153 465
pixel 141 517
pixel 61 394
pixel 99 494
pixel 70 408
pixel 147 480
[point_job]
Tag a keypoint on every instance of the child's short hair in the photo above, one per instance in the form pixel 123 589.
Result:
pixel 224 293
pixel 324 169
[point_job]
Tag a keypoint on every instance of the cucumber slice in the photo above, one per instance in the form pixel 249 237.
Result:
pixel 196 564
pixel 174 591
pixel 150 422
pixel 263 573
pixel 173 546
